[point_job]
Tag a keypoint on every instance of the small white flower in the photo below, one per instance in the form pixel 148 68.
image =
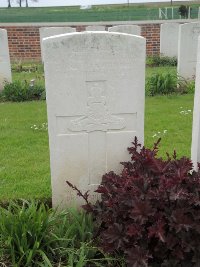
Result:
pixel 164 131
pixel 189 110
pixel 154 135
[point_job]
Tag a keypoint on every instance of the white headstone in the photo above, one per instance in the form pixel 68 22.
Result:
pixel 51 31
pixel 130 29
pixel 187 49
pixel 95 28
pixel 85 6
pixel 95 101
pixel 5 68
pixel 195 150
pixel 169 39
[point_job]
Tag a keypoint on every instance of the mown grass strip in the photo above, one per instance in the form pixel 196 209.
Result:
pixel 24 156
pixel 96 13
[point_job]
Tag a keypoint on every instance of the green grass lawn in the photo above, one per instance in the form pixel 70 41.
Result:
pixel 24 149
pixel 97 13
pixel 24 157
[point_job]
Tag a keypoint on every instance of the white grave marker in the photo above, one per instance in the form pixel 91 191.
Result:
pixel 195 150
pixel 50 31
pixel 169 39
pixel 95 28
pixel 5 68
pixel 187 49
pixel 95 101
pixel 130 29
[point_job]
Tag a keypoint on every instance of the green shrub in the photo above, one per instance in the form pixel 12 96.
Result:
pixel 185 86
pixel 161 83
pixel 159 61
pixel 24 66
pixel 24 233
pixel 22 91
pixel 183 11
pixel 32 234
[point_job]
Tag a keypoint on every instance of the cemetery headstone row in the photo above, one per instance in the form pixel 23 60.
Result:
pixel 180 40
pixel 187 49
pixel 5 68
pixel 51 31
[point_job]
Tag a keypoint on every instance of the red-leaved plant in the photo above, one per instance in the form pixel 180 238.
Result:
pixel 150 213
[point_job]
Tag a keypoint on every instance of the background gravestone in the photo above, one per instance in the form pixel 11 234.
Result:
pixel 130 29
pixel 169 39
pixel 5 68
pixel 95 103
pixel 187 49
pixel 50 31
pixel 195 151
pixel 95 28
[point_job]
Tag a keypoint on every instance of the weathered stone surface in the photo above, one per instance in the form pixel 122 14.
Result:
pixel 51 31
pixel 5 68
pixel 130 29
pixel 95 102
pixel 169 39
pixel 187 49
pixel 95 28
pixel 195 150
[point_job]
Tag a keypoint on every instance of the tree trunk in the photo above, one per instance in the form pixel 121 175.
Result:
pixel 9 4
pixel 26 3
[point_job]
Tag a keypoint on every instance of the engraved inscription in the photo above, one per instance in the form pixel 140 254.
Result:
pixel 98 117
pixel 97 122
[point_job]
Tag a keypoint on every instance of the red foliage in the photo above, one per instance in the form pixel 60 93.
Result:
pixel 151 212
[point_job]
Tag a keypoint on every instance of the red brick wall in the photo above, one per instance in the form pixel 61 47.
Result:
pixel 24 41
pixel 152 34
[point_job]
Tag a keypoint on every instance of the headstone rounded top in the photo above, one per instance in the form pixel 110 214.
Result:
pixel 93 34
pixel 130 29
pixel 56 29
pixel 3 31
pixel 94 41
pixel 95 28
pixel 190 24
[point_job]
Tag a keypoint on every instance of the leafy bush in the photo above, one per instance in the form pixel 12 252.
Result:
pixel 22 91
pixel 24 233
pixel 183 11
pixel 161 83
pixel 151 212
pixel 32 234
pixel 159 61
pixel 24 66
pixel 185 86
